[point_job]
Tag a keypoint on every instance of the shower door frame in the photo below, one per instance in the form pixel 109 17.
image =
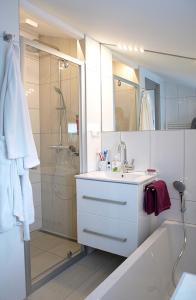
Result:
pixel 82 149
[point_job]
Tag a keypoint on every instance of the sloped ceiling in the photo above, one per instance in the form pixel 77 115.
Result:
pixel 160 25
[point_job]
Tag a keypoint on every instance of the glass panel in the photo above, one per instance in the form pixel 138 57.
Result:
pixel 125 97
pixel 52 89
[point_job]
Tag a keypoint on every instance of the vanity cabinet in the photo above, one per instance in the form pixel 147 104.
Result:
pixel 110 215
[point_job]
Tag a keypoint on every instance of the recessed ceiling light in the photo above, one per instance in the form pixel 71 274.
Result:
pixel 141 50
pixel 136 49
pixel 31 22
pixel 130 48
pixel 125 47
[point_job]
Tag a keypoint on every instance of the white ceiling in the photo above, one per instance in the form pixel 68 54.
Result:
pixel 160 25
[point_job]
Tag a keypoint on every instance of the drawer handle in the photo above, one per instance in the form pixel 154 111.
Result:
pixel 105 200
pixel 111 237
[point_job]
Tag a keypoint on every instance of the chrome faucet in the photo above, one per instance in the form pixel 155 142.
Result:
pixel 126 167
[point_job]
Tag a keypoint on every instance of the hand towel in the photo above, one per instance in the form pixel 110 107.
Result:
pixel 156 197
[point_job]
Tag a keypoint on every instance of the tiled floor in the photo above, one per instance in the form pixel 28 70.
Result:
pixel 48 250
pixel 79 280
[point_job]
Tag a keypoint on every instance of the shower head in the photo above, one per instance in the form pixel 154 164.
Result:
pixel 119 82
pixel 63 64
pixel 179 186
pixel 58 90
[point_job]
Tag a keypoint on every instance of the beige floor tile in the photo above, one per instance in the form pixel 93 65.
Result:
pixel 66 246
pixel 35 251
pixel 41 262
pixel 80 279
pixel 47 242
pixel 52 291
pixel 36 234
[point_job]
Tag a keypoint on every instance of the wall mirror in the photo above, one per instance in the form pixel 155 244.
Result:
pixel 144 99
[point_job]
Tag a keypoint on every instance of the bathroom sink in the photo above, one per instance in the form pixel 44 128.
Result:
pixel 134 177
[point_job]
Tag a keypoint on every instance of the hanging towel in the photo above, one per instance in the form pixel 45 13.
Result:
pixel 146 113
pixel 156 197
pixel 21 154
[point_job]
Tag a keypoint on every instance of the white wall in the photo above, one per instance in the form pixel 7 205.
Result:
pixel 12 274
pixel 107 101
pixel 180 104
pixel 172 153
pixel 93 101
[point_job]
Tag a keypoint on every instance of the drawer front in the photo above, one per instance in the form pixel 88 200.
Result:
pixel 111 235
pixel 114 200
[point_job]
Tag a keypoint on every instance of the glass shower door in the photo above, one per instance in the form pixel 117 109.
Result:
pixel 53 92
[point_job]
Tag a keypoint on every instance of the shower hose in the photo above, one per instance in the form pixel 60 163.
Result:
pixel 184 243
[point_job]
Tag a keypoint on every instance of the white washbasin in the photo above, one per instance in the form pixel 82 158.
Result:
pixel 133 177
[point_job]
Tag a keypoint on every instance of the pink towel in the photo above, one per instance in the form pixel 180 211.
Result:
pixel 156 198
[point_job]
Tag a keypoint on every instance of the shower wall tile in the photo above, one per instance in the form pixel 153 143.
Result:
pixel 31 68
pixel 35 176
pixel 36 137
pixel 138 148
pixel 190 164
pixel 32 95
pixel 37 193
pixel 54 68
pixel 44 69
pixel 167 156
pixel 35 121
pixel 45 111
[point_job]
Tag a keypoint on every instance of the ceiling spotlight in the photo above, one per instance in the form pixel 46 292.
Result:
pixel 136 49
pixel 130 48
pixel 141 50
pixel 125 47
pixel 31 22
pixel 120 46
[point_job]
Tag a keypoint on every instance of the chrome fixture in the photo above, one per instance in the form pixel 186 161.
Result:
pixel 62 109
pixel 64 64
pixel 126 166
pixel 180 187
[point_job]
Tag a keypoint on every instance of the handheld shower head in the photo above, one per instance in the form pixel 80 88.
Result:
pixel 179 186
pixel 58 90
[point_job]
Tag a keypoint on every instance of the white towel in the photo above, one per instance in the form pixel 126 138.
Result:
pixel 20 147
pixel 146 114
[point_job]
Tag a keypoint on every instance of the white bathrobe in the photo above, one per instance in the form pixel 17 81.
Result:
pixel 16 132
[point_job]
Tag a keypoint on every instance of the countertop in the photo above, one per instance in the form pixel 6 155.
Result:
pixel 135 177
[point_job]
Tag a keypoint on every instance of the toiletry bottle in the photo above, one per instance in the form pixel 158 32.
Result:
pixel 116 164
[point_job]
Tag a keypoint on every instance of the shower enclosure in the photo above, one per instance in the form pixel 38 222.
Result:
pixel 53 85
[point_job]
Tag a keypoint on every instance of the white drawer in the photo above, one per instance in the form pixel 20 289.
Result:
pixel 107 234
pixel 114 200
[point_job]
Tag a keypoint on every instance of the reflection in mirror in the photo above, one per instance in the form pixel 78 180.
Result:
pixel 125 99
pixel 144 99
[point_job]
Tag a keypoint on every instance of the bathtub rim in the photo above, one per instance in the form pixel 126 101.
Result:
pixel 115 276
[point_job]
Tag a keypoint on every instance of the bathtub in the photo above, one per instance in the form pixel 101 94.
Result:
pixel 147 273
